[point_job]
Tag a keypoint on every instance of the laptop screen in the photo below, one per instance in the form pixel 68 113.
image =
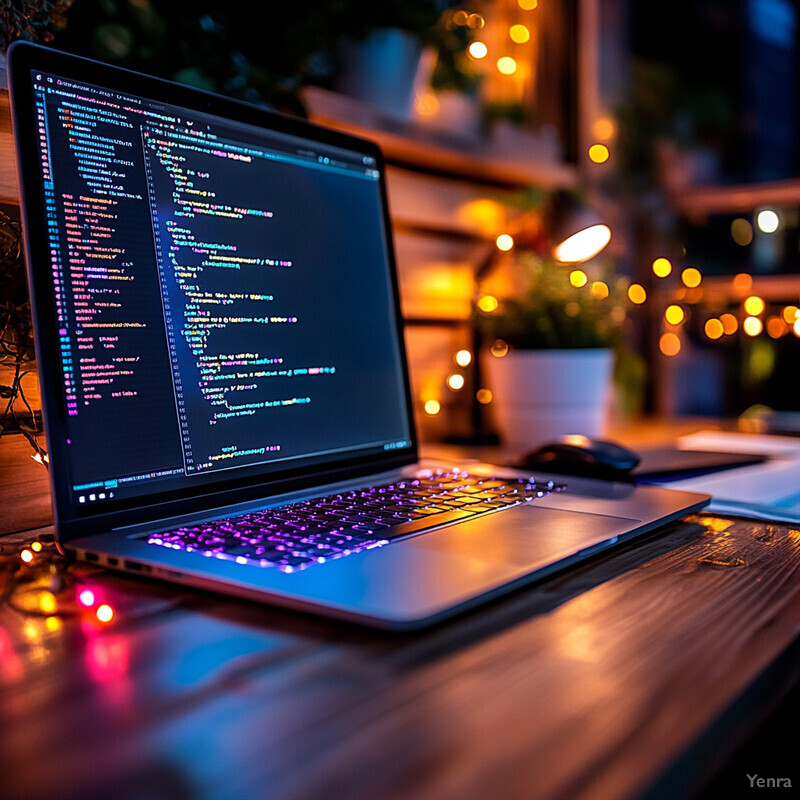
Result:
pixel 223 295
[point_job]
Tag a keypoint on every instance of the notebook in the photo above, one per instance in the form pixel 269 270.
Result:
pixel 224 381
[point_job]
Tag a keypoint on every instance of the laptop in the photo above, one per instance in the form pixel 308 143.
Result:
pixel 224 381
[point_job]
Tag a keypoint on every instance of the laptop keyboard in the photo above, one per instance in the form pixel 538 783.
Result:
pixel 299 535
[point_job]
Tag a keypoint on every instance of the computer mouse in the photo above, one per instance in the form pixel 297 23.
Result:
pixel 581 455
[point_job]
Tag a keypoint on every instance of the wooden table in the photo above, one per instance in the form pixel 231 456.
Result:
pixel 633 675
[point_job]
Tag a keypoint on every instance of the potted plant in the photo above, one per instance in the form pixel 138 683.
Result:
pixel 551 349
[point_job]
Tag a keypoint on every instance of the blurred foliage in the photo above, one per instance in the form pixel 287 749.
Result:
pixel 253 52
pixel 554 314
pixel 30 19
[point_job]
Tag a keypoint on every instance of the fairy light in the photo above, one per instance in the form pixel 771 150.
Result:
pixel 754 305
pixel 598 153
pixel 691 277
pixel 741 232
pixel 743 282
pixel 504 242
pixel 790 314
pixel 669 344
pixel 714 328
pixel 26 555
pixel 455 381
pixel 637 294
pixel 507 65
pixel 776 327
pixel 37 547
pixel 604 128
pixel 499 348
pixel 796 327
pixel 662 267
pixel 484 396
pixel 768 220
pixel 463 358
pixel 752 326
pixel 674 314
pixel 104 613
pixel 519 34
pixel 478 50
pixel 528 5
pixel 86 598
pixel 432 407
pixel 488 303
pixel 578 278
pixel 729 324
pixel 600 290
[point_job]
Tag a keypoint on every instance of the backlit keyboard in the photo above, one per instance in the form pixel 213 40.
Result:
pixel 299 535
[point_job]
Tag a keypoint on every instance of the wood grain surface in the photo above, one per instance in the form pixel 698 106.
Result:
pixel 628 676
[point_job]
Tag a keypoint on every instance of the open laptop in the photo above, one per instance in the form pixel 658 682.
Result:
pixel 224 383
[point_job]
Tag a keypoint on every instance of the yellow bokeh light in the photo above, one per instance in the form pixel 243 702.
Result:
pixel 598 153
pixel 662 267
pixel 776 327
pixel 507 65
pixel 729 323
pixel 752 326
pixel 790 314
pixel 528 5
pixel 714 328
pixel 637 293
pixel 432 407
pixel 488 303
pixel 691 277
pixel 52 624
pixel 37 547
pixel 754 306
pixel 499 348
pixel 47 602
pixel 484 396
pixel 26 556
pixel 674 314
pixel 463 358
pixel 461 17
pixel 478 50
pixel 455 381
pixel 768 220
pixel 669 344
pixel 504 242
pixel 796 327
pixel 743 282
pixel 105 613
pixel 600 290
pixel 583 245
pixel 519 34
pixel 578 278
pixel 741 232
pixel 604 129
pixel 475 21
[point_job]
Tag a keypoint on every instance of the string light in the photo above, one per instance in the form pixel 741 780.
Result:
pixel 455 381
pixel 578 278
pixel 691 277
pixel 432 407
pixel 26 555
pixel 752 326
pixel 104 613
pixel 662 267
pixel 768 220
pixel 674 315
pixel 670 344
pixel 499 348
pixel 484 396
pixel 507 65
pixel 637 294
pixel 488 303
pixel 478 50
pixel 599 153
pixel 714 328
pixel 729 323
pixel 504 242
pixel 754 306
pixel 519 34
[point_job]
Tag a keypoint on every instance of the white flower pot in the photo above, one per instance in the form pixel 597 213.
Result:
pixel 540 395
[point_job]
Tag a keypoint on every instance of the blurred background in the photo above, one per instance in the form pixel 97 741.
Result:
pixel 674 124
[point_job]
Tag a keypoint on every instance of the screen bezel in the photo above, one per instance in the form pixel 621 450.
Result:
pixel 24 60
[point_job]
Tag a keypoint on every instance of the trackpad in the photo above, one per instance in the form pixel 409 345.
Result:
pixel 526 535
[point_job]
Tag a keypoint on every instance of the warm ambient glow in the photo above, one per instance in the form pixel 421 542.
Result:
pixel 578 278
pixel 463 358
pixel 455 381
pixel 714 328
pixel 604 129
pixel 662 267
pixel 674 315
pixel 433 407
pixel 478 50
pixel 752 326
pixel 426 104
pixel 504 242
pixel 484 396
pixel 729 324
pixel 669 344
pixel 488 303
pixel 754 305
pixel 598 153
pixel 600 290
pixel 637 294
pixel 528 5
pixel 742 282
pixel 691 277
pixel 583 245
pixel 507 65
pixel 768 221
pixel 742 232
pixel 519 34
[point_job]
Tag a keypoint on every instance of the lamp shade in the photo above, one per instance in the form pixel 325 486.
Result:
pixel 577 231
